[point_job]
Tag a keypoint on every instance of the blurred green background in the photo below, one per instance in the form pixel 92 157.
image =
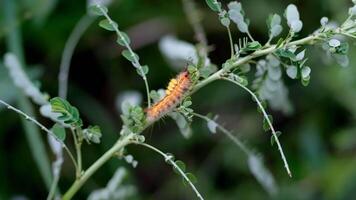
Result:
pixel 319 137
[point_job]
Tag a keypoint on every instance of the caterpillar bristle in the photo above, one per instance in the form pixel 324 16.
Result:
pixel 175 92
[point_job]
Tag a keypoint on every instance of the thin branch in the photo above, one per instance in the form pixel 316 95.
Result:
pixel 239 143
pixel 250 36
pixel 169 159
pixel 268 121
pixel 348 35
pixel 8 106
pixel 68 51
pixel 216 76
pixel 231 42
pixel 136 63
pixel 78 151
pixel 268 185
pixel 121 143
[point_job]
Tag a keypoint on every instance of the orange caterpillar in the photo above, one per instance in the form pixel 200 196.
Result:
pixel 175 93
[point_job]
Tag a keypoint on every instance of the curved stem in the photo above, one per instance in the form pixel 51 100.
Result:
pixel 135 62
pixel 94 167
pixel 268 121
pixel 43 128
pixel 216 76
pixel 70 45
pixel 77 145
pixel 227 133
pixel 231 42
pixel 171 161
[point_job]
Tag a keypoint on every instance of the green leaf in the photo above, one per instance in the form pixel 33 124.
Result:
pixel 181 165
pixel 132 57
pixel 252 46
pixel 187 103
pixel 191 178
pixel 124 40
pixel 143 71
pixel 225 21
pixel 273 140
pixel 266 126
pixel 59 131
pixel 97 10
pixel 191 69
pixel 214 5
pixel 69 114
pixel 92 134
pixel 284 53
pixel 305 81
pixel 206 71
pixel 108 25
pixel 343 48
pixel 155 96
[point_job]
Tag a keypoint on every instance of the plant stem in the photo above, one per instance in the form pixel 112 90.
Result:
pixel 171 161
pixel 67 54
pixel 231 42
pixel 227 133
pixel 216 76
pixel 269 123
pixel 27 117
pixel 135 62
pixel 94 167
pixel 246 59
pixel 77 145
pixel 250 36
pixel 32 133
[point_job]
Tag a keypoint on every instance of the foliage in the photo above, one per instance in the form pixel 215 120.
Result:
pixel 263 69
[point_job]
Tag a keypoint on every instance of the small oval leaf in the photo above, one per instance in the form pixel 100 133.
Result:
pixel 108 25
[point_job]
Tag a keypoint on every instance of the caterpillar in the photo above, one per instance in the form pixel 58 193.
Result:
pixel 175 92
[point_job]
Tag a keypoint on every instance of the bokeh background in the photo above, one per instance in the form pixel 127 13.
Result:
pixel 319 137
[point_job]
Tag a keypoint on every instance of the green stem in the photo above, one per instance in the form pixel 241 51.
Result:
pixel 171 161
pixel 349 35
pixel 70 45
pixel 94 167
pixel 231 42
pixel 227 133
pixel 77 145
pixel 135 62
pixel 216 76
pixel 33 120
pixel 35 142
pixel 268 121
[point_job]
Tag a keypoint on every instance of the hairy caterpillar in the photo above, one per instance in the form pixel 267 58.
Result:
pixel 175 93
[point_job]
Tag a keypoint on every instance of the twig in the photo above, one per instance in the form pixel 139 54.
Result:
pixel 8 106
pixel 268 121
pixel 121 143
pixel 68 51
pixel 169 159
pixel 136 63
